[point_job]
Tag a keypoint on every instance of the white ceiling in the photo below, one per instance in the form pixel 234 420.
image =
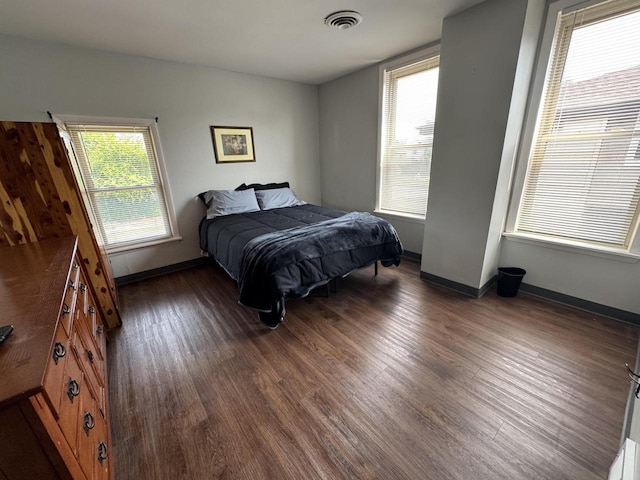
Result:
pixel 276 38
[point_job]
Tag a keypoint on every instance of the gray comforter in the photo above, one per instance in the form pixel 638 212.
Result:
pixel 284 253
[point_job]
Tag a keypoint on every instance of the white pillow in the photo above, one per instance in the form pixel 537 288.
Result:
pixel 277 198
pixel 228 202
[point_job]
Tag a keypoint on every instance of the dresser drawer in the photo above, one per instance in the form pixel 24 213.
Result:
pixel 87 307
pixel 98 338
pixel 88 429
pixel 67 311
pixel 91 363
pixel 68 306
pixel 94 326
pixel 101 340
pixel 102 454
pixel 83 295
pixel 93 334
pixel 99 335
pixel 54 380
pixel 74 385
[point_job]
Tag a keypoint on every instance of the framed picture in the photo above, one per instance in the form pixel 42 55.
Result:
pixel 233 144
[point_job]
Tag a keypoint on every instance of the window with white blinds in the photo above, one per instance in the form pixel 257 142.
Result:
pixel 120 173
pixel 583 177
pixel 408 119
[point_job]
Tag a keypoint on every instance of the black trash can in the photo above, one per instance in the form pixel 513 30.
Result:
pixel 509 280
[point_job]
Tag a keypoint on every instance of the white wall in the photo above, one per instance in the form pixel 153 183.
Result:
pixel 597 279
pixel 487 55
pixel 348 110
pixel 479 54
pixel 36 77
pixel 531 33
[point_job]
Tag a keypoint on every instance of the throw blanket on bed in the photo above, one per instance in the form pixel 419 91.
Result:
pixel 224 238
pixel 289 263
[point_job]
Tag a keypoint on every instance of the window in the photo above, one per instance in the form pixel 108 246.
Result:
pixel 406 135
pixel 583 177
pixel 122 181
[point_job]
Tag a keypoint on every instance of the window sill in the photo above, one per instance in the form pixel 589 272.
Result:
pixel 574 247
pixel 126 248
pixel 401 216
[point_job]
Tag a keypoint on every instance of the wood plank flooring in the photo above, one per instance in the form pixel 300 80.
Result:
pixel 390 378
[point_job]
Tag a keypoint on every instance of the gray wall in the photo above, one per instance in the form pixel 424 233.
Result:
pixel 487 55
pixel 479 67
pixel 603 280
pixel 36 77
pixel 348 110
pixel 477 71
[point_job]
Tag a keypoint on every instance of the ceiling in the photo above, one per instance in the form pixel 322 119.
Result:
pixel 284 39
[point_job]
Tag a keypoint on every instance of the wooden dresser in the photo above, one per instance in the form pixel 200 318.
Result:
pixel 41 199
pixel 54 409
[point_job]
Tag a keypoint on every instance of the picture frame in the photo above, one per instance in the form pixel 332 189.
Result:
pixel 233 144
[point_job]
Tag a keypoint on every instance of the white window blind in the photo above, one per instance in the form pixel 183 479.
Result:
pixel 408 119
pixel 583 177
pixel 119 170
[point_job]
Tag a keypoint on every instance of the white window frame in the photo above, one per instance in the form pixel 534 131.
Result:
pixel 69 120
pixel 423 54
pixel 630 255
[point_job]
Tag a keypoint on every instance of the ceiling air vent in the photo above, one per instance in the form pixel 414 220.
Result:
pixel 343 19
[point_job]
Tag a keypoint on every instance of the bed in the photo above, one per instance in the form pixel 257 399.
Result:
pixel 278 253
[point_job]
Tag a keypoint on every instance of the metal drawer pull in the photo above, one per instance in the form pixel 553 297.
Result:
pixel 635 378
pixel 83 287
pixel 72 284
pixel 66 309
pixel 99 330
pixel 90 355
pixel 58 352
pixel 103 453
pixel 73 389
pixel 75 266
pixel 92 310
pixel 88 422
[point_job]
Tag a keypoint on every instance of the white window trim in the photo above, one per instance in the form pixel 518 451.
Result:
pixel 120 249
pixel 405 217
pixel 574 247
pixel 632 254
pixel 402 61
pixel 164 180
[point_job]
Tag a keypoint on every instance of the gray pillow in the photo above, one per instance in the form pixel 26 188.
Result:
pixel 229 202
pixel 277 198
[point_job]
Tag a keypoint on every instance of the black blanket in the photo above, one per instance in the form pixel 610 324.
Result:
pixel 224 238
pixel 291 262
pixel 286 252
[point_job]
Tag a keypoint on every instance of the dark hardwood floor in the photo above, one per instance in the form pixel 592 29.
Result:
pixel 390 378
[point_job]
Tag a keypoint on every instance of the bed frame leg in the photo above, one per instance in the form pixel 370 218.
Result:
pixel 376 269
